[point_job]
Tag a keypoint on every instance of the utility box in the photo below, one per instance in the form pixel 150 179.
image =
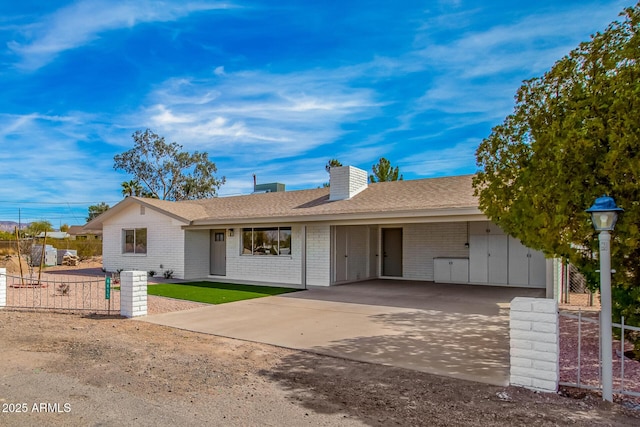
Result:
pixel 272 187
pixel 50 256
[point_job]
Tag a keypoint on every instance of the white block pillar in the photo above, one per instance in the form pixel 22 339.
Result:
pixel 133 293
pixel 535 344
pixel 3 287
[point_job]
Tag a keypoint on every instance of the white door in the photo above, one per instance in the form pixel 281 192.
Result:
pixel 498 257
pixel 478 263
pixel 341 256
pixel 518 262
pixel 537 270
pixel 459 270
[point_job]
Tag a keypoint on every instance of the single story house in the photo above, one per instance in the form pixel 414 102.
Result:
pixel 53 235
pixel 426 229
pixel 78 232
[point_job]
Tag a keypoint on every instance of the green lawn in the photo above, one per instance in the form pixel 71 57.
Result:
pixel 214 293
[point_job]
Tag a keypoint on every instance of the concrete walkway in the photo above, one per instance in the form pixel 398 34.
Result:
pixel 453 330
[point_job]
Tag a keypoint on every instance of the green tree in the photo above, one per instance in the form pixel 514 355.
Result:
pixel 131 188
pixel 64 227
pixel 37 227
pixel 574 135
pixel 165 171
pixel 95 210
pixel 383 172
pixel 7 235
pixel 332 163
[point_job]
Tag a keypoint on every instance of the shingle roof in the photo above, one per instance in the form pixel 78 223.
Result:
pixel 416 196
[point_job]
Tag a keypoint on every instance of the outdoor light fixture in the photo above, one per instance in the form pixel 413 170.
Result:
pixel 604 214
pixel 231 232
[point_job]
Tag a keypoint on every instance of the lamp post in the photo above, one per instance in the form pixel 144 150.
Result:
pixel 604 214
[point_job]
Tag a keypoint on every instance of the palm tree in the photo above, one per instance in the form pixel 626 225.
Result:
pixel 132 188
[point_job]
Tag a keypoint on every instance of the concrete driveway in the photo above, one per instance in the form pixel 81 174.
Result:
pixel 453 330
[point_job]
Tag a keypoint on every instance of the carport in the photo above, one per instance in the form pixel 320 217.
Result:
pixel 445 329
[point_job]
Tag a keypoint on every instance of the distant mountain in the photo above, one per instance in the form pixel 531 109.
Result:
pixel 10 225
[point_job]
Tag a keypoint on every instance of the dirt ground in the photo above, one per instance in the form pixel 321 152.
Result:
pixel 63 369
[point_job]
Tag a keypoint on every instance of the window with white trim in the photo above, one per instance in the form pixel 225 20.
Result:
pixel 266 241
pixel 134 241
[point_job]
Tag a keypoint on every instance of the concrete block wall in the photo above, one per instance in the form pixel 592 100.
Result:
pixel 3 287
pixel 133 293
pixel 535 344
pixel 318 255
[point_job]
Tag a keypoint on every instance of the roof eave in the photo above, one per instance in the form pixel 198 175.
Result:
pixel 97 222
pixel 434 215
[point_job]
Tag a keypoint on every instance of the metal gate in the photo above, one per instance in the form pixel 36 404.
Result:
pixel 580 358
pixel 63 293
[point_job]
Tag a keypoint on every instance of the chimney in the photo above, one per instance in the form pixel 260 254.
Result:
pixel 345 182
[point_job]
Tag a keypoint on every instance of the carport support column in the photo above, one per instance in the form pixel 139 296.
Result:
pixel 133 293
pixel 3 287
pixel 535 344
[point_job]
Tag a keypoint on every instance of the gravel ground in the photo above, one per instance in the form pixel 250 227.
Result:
pixel 97 370
pixel 109 371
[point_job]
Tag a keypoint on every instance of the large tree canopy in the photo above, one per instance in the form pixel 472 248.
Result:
pixel 574 135
pixel 165 171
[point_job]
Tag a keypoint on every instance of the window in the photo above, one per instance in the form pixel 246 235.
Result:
pixel 135 241
pixel 266 241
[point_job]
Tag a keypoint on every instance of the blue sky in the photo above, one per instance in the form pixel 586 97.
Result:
pixel 265 87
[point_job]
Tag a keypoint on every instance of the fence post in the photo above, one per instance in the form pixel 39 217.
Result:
pixel 535 344
pixel 3 287
pixel 133 293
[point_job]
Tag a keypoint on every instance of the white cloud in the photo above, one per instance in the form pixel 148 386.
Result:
pixel 479 71
pixel 254 113
pixel 82 22
pixel 49 158
pixel 532 43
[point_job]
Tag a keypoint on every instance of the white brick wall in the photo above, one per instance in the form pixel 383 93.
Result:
pixel 346 182
pixel 535 344
pixel 423 242
pixel 133 293
pixel 165 243
pixel 3 287
pixel 318 255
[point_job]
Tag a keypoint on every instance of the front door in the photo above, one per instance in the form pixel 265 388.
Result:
pixel 218 262
pixel 392 252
